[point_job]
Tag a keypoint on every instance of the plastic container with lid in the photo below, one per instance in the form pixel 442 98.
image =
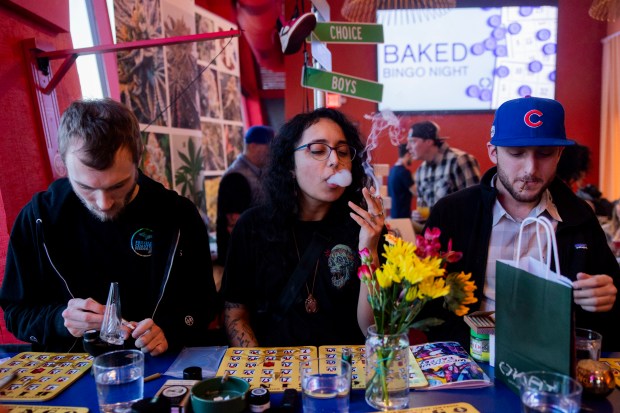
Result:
pixel 259 400
pixel 479 346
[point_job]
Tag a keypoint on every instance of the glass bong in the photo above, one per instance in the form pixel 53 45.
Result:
pixel 110 337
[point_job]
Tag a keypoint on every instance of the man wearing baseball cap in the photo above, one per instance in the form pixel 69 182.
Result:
pixel 444 169
pixel 527 139
pixel 241 185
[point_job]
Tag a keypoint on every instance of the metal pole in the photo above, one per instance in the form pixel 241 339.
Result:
pixel 319 95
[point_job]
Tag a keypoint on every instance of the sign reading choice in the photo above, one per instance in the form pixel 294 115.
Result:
pixel 336 32
pixel 341 84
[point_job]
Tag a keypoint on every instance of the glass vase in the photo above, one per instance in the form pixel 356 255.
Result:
pixel 387 370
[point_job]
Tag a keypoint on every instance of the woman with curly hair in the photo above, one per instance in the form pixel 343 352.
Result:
pixel 291 273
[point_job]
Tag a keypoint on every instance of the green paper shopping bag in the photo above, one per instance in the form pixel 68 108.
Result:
pixel 533 314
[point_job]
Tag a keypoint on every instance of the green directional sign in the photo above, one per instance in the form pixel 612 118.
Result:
pixel 341 84
pixel 338 32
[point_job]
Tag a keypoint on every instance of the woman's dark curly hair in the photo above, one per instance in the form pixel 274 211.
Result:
pixel 281 185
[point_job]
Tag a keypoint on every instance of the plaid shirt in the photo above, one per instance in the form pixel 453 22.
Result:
pixel 451 170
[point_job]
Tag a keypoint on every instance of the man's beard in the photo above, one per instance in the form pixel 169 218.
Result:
pixel 109 217
pixel 516 193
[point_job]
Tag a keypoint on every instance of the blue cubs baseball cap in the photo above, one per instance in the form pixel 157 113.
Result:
pixel 529 121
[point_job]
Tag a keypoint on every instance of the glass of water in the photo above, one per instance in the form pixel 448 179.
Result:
pixel 119 376
pixel 544 391
pixel 588 344
pixel 325 385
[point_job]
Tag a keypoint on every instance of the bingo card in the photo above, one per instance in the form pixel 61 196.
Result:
pixel 41 376
pixel 358 365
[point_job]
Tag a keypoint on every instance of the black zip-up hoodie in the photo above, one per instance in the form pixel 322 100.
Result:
pixel 54 256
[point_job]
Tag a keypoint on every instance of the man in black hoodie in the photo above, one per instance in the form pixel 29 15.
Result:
pixel 107 222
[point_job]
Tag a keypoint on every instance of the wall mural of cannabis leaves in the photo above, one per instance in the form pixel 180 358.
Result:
pixel 187 97
pixel 141 72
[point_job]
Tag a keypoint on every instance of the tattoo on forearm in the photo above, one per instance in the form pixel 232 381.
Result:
pixel 238 328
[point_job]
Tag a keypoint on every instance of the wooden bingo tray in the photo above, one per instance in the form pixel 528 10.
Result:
pixel 358 365
pixel 41 376
pixel 277 369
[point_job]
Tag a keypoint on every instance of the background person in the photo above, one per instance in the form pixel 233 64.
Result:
pixel 602 207
pixel 400 184
pixel 107 222
pixel 444 169
pixel 612 230
pixel 241 186
pixel 318 215
pixel 483 221
pixel 574 164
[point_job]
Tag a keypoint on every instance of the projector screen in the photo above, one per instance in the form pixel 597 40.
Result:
pixel 465 59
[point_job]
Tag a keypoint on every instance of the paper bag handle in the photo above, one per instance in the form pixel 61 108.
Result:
pixel 552 244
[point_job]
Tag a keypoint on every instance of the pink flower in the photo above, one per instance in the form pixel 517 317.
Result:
pixel 428 245
pixel 451 256
pixel 364 271
pixel 365 256
pixel 432 234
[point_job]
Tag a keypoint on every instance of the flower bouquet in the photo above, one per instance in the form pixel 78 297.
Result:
pixel 411 276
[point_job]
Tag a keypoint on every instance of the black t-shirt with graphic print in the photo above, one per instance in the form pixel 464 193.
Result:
pixel 258 270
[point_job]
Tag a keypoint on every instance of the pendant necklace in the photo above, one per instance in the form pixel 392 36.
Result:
pixel 312 306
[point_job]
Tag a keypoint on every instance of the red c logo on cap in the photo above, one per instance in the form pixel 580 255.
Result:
pixel 528 118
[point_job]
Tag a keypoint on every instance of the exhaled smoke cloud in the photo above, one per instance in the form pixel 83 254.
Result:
pixel 341 178
pixel 382 122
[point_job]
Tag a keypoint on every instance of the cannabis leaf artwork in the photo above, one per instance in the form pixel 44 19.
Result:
pixel 187 176
pixel 141 73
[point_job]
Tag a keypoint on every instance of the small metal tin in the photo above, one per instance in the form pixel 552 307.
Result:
pixel 259 400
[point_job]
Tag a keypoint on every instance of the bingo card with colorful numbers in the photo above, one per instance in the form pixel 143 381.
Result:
pixel 28 408
pixel 277 369
pixel 41 376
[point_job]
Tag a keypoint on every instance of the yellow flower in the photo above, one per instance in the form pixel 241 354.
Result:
pixel 433 288
pixel 408 279
pixel 391 239
pixel 461 293
pixel 383 278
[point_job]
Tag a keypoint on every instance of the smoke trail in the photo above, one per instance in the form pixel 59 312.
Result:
pixel 384 121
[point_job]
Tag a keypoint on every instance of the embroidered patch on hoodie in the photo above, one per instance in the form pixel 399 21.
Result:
pixel 581 246
pixel 142 242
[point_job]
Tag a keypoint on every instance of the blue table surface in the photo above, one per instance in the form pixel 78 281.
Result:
pixel 497 398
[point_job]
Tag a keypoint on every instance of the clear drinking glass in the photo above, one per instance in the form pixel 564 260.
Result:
pixel 588 344
pixel 119 376
pixel 325 385
pixel 543 391
pixel 423 209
